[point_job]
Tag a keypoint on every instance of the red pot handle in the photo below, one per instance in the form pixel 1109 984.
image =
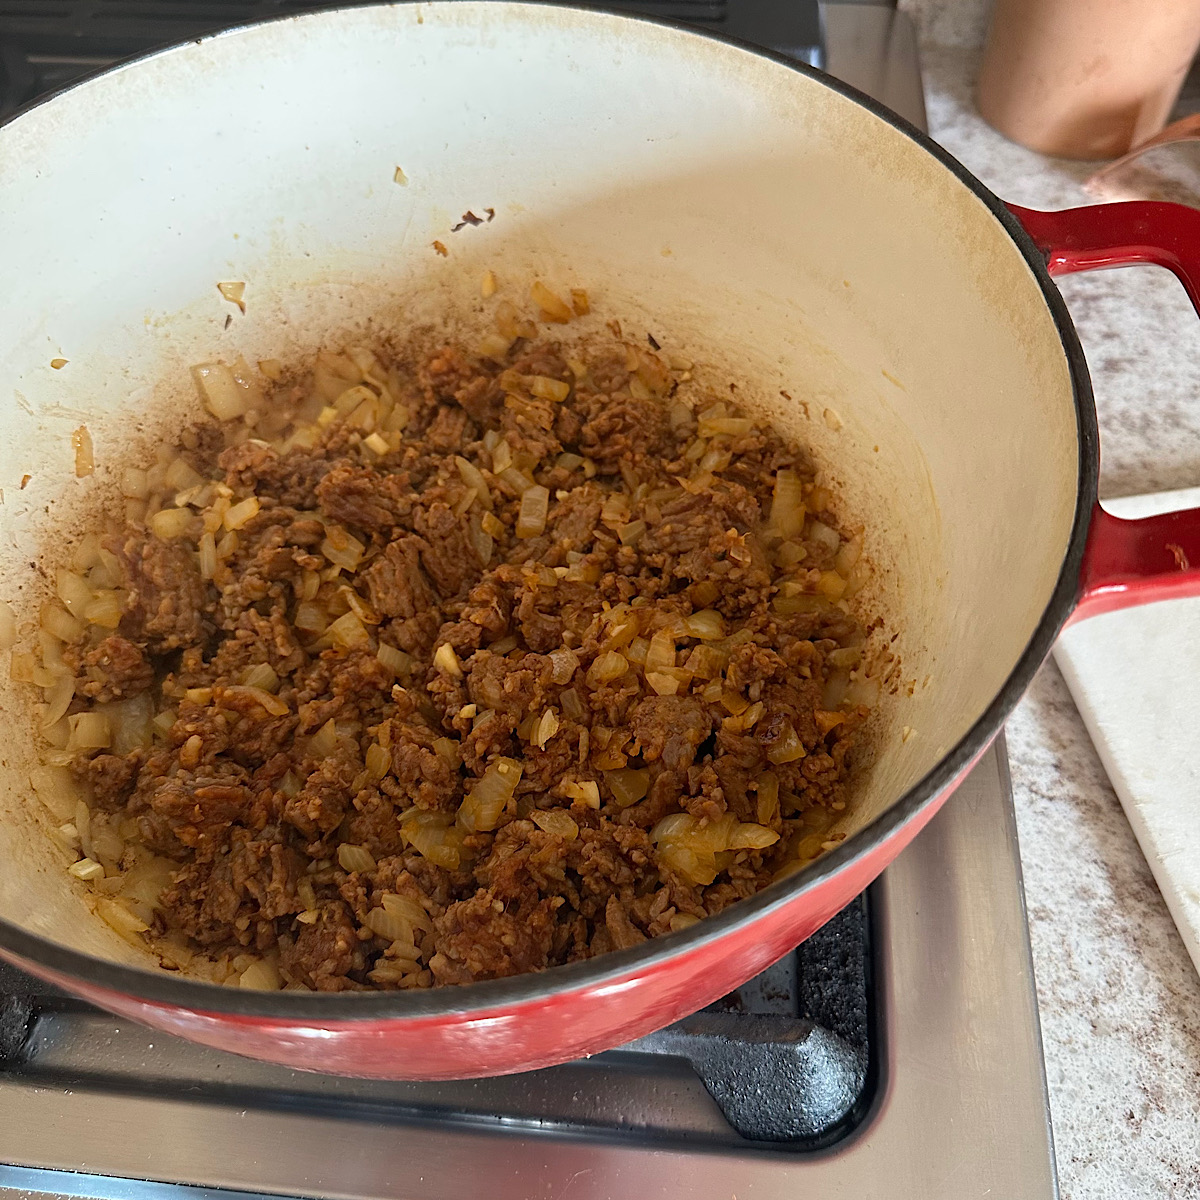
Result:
pixel 1128 562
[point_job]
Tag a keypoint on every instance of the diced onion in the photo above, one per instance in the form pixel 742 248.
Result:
pixel 432 836
pixel 555 821
pixel 86 869
pixel 134 484
pixel 515 482
pixel 631 534
pixel 57 789
pixel 705 662
pixel 546 388
pixel 580 302
pixel 407 908
pixel 787 747
pixel 746 718
pixel 377 761
pixel 707 625
pixel 661 653
pixel 181 476
pixel 672 826
pixel 221 393
pixel 130 721
pixel 234 292
pixel 637 650
pixel 787 506
pixel 824 536
pixel 788 606
pixel 396 661
pixel 272 704
pixel 501 456
pixel 863 691
pixel 767 807
pixel 696 867
pixel 663 685
pixel 563 665
pixel 847 557
pixel 58 700
pixel 311 617
pixel 261 675
pixel 342 549
pixel 733 426
pixel 73 590
pixel 473 478
pixel 586 791
pixel 552 307
pixel 831 585
pixel 546 728
pixel 607 667
pixel 60 623
pixel 261 976
pixel 355 858
pixel 207 550
pixel 169 523
pixel 615 509
pixel 348 632
pixel 483 804
pixel 89 731
pixel 119 916
pixel 446 660
pixel 748 836
pixel 627 785
pixel 242 512
pixel 571 704
pixel 535 506
pixel 827 721
pixel 390 926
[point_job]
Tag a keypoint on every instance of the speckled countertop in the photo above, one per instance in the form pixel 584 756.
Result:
pixel 1119 996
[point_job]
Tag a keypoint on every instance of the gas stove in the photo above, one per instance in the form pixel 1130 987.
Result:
pixel 896 1053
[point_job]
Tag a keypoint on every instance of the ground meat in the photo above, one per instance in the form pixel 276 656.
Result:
pixel 396 585
pixel 323 954
pixel 291 479
pixel 480 938
pixel 670 728
pixel 446 554
pixel 394 744
pixel 115 670
pixel 167 604
pixel 360 496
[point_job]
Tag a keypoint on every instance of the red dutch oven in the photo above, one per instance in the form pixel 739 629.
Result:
pixel 782 230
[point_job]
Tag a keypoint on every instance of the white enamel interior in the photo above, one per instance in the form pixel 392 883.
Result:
pixel 750 217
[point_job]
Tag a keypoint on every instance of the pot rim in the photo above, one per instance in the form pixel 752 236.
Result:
pixel 477 1000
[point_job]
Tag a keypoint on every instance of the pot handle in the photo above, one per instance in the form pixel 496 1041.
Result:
pixel 1128 562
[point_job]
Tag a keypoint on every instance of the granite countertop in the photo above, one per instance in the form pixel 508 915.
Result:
pixel 1119 996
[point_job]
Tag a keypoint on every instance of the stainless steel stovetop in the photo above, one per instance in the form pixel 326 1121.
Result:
pixel 934 1090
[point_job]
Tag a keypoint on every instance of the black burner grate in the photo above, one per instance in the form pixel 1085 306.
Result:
pixel 47 44
pixel 788 1062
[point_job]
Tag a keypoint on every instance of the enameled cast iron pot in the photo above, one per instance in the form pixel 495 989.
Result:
pixel 773 225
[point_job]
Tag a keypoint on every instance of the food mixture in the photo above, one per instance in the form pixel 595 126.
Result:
pixel 415 670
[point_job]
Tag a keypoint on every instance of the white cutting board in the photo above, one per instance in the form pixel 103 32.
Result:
pixel 1135 677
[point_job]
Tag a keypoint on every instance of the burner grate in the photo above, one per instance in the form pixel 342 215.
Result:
pixel 788 1062
pixel 47 44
